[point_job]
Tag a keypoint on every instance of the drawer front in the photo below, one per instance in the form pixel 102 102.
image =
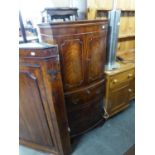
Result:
pixel 80 99
pixel 121 77
pixel 84 118
pixel 85 108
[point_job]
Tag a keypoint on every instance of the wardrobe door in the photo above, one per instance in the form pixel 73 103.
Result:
pixel 96 56
pixel 71 50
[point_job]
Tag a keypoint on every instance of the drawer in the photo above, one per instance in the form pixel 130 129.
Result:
pixel 85 107
pixel 85 125
pixel 83 119
pixel 90 109
pixel 120 78
pixel 81 98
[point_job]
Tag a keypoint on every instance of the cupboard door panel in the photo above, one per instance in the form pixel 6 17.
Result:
pixel 117 101
pixel 33 122
pixel 72 53
pixel 96 56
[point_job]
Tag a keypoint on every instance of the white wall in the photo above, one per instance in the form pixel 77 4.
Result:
pixel 31 9
pixel 82 7
pixel 60 3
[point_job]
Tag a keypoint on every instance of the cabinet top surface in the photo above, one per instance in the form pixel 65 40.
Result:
pixel 122 67
pixel 74 22
pixel 35 46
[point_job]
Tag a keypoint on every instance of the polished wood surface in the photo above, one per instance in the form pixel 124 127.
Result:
pixel 43 120
pixel 119 88
pixel 82 48
pixel 126 42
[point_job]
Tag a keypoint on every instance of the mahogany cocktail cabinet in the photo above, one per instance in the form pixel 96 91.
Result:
pixel 62 84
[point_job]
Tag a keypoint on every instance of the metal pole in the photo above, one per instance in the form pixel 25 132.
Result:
pixel 114 21
pixel 22 27
pixel 114 4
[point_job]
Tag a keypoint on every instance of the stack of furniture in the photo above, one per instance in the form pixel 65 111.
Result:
pixel 62 86
pixel 49 14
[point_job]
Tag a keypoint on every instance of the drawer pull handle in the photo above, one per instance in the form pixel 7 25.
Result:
pixel 88 92
pixel 115 81
pixel 130 90
pixel 130 75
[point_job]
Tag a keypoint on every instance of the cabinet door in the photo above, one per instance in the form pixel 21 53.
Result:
pixel 33 125
pixel 72 61
pixel 96 56
pixel 118 99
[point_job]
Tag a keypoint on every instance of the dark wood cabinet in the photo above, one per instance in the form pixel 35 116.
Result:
pixel 43 120
pixel 82 49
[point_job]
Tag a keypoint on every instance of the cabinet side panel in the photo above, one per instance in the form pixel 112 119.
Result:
pixel 33 124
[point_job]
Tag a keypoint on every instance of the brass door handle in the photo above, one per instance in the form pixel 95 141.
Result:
pixel 130 75
pixel 115 81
